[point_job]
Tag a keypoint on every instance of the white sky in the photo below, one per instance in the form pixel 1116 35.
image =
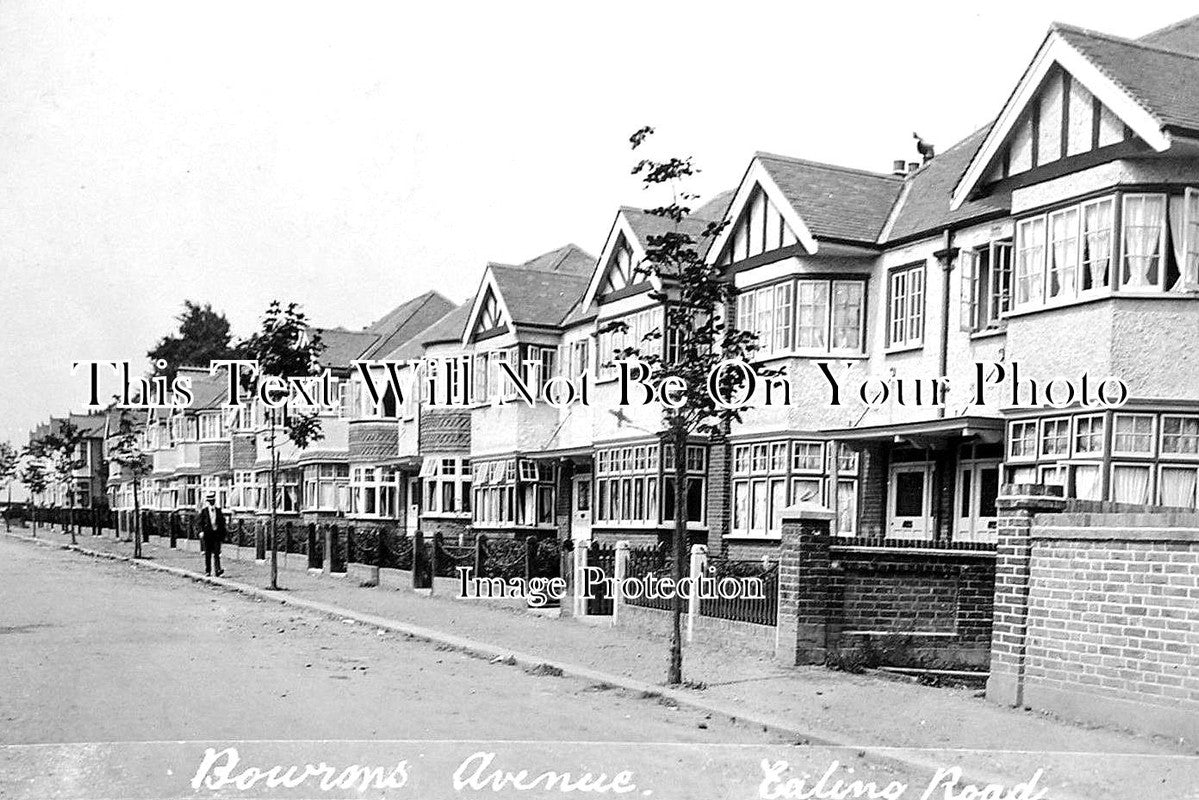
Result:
pixel 350 156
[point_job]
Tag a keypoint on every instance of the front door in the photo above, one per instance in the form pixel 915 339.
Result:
pixel 580 503
pixel 911 501
pixel 977 490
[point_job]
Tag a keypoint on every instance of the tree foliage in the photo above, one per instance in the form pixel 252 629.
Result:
pixel 699 336
pixel 286 345
pixel 203 335
pixel 9 463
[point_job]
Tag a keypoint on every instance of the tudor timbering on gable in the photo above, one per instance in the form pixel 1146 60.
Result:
pixel 1087 98
pixel 489 316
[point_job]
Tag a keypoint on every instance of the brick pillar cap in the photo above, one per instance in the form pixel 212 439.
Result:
pixel 623 544
pixel 699 549
pixel 806 509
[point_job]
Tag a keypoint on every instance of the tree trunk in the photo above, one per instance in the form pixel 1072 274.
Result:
pixel 137 523
pixel 71 516
pixel 678 444
pixel 8 508
pixel 274 503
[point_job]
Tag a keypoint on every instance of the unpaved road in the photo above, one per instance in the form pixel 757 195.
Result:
pixel 115 679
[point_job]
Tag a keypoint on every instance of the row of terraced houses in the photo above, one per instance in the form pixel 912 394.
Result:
pixel 1060 240
pixel 1063 237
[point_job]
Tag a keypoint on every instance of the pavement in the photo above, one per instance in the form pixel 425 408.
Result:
pixel 896 726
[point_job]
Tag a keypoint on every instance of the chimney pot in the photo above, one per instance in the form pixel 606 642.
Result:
pixel 897 166
pixel 913 166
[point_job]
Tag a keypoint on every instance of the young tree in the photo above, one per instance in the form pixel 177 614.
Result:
pixel 9 464
pixel 694 295
pixel 285 346
pixel 203 336
pixel 33 475
pixel 61 447
pixel 129 451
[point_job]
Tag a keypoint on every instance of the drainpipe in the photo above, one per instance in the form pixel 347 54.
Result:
pixel 946 256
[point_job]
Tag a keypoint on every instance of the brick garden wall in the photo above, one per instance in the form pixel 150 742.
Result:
pixel 1097 615
pixel 878 606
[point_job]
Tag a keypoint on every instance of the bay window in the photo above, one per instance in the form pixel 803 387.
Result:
pixel 326 487
pixel 905 307
pixel 446 485
pixel 217 484
pixel 514 492
pixel 636 328
pixel 212 426
pixel 693 494
pixel 627 481
pixel 805 315
pixel 373 491
pixel 769 476
pixel 243 490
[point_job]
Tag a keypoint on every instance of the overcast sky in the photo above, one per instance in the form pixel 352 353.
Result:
pixel 350 156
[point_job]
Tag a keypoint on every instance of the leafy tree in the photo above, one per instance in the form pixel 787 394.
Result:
pixel 33 475
pixel 9 465
pixel 285 346
pixel 694 295
pixel 203 336
pixel 130 452
pixel 61 446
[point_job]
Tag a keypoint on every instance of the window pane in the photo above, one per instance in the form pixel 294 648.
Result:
pixel 812 316
pixel 909 494
pixel 848 297
pixel 1144 221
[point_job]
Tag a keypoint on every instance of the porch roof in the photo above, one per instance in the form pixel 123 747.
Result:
pixel 928 429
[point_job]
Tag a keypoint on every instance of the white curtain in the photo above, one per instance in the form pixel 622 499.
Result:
pixel 1143 217
pixel 1178 487
pixel 1087 485
pixel 1131 485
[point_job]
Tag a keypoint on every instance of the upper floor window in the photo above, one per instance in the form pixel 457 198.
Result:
pixel 905 307
pixel 1144 240
pixel 806 316
pixel 986 285
pixel 579 358
pixel 1072 253
pixel 212 426
pixel 643 331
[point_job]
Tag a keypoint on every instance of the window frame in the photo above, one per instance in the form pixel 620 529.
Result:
pixel 901 276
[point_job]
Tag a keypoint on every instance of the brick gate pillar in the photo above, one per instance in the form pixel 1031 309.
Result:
pixel 801 634
pixel 1018 504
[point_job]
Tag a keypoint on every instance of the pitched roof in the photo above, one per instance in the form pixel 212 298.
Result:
pixel 208 390
pixel 835 202
pixel 447 329
pixel 1182 36
pixel 535 297
pixel 407 320
pixel 645 225
pixel 923 205
pixel 568 259
pixel 1164 82
pixel 342 346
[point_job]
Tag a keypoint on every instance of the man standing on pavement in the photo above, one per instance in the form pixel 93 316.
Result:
pixel 212 533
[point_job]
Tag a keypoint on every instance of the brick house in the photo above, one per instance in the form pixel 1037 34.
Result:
pixel 1063 238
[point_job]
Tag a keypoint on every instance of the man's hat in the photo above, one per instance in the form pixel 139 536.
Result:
pixel 210 496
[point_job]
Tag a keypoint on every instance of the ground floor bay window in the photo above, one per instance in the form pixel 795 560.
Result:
pixel 768 476
pixel 373 491
pixel 513 492
pixel 216 484
pixel 326 487
pixel 446 482
pixel 634 486
pixel 287 491
pixel 1136 457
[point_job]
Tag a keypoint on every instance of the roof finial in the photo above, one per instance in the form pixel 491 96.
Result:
pixel 924 148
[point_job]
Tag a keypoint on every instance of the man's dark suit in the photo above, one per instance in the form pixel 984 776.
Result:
pixel 212 533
